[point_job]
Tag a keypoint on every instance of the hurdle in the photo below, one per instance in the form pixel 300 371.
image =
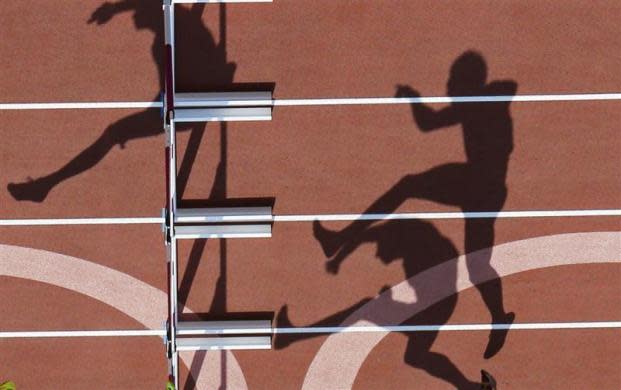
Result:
pixel 200 223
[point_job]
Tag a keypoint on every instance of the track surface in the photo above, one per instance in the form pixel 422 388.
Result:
pixel 309 160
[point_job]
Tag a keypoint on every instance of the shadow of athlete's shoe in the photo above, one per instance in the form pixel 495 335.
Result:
pixel 487 381
pixel 498 337
pixel 32 190
pixel 329 240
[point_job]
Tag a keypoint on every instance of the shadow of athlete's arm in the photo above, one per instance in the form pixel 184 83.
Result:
pixel 426 118
pixel 107 10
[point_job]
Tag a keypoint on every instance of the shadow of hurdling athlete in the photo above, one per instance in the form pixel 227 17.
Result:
pixel 421 247
pixel 207 66
pixel 475 185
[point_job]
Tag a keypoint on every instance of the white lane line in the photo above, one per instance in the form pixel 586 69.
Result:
pixel 330 101
pixel 78 105
pixel 81 221
pixel 449 215
pixel 448 327
pixel 325 329
pixel 83 333
pixel 447 99
pixel 329 217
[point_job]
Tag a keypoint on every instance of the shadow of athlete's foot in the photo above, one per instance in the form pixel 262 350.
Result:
pixel 328 239
pixel 497 337
pixel 282 321
pixel 32 190
pixel 487 381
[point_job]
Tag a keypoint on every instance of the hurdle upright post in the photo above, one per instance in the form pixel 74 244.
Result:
pixel 171 191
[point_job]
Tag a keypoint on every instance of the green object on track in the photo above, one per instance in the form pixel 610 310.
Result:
pixel 169 386
pixel 8 386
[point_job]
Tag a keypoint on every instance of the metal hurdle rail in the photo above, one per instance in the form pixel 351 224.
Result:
pixel 196 223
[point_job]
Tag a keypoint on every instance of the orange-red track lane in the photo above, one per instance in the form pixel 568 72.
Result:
pixel 309 160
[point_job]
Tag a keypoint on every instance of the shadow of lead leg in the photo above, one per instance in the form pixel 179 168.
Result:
pixel 31 190
pixel 329 240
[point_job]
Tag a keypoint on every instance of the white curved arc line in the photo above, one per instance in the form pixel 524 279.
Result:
pixel 336 364
pixel 133 297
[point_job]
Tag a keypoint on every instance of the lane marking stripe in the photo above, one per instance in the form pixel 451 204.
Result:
pixel 451 327
pixel 82 333
pixel 446 99
pixel 330 217
pixel 329 329
pixel 331 101
pixel 78 105
pixel 80 221
pixel 449 215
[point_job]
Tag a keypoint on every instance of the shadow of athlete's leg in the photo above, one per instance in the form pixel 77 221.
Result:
pixel 442 184
pixel 479 242
pixel 282 340
pixel 418 352
pixel 418 355
pixel 142 124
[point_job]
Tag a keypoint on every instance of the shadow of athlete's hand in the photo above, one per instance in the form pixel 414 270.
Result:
pixel 406 91
pixel 103 14
pixel 332 266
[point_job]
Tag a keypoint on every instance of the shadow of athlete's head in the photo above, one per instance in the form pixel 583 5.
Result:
pixel 468 75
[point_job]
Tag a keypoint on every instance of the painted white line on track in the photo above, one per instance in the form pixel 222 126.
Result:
pixel 448 327
pixel 326 329
pixel 78 105
pixel 328 101
pixel 446 99
pixel 449 215
pixel 329 217
pixel 80 221
pixel 82 333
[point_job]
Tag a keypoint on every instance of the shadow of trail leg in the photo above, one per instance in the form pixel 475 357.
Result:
pixel 142 124
pixel 441 184
pixel 331 241
pixel 282 321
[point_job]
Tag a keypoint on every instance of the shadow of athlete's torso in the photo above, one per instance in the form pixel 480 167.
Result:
pixel 418 243
pixel 488 129
pixel 478 184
